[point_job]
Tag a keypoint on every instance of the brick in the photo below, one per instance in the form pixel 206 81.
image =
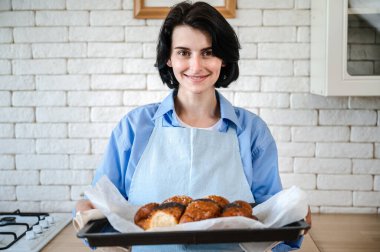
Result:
pixel 154 82
pixel 114 18
pixel 110 114
pixel 246 18
pixel 266 67
pixel 366 166
pixel 94 66
pixel 320 134
pixel 149 50
pixel 364 102
pixel 62 18
pixel 345 182
pixel 5 67
pixel 281 134
pixel 77 192
pixel 40 193
pixel 16 83
pixel 364 52
pixel 139 66
pixel 344 150
pixel 7 162
pixel 5 99
pixel 304 181
pixel 66 177
pixel 243 83
pixel 12 146
pixel 329 198
pixel 5 5
pixel 41 98
pixel 289 117
pixel 376 183
pixel 42 162
pixel 15 51
pixel 41 130
pixel 23 206
pixel 139 98
pixel 19 178
pixel 57 206
pixel 283 51
pixel 7 193
pixel 366 199
pixel 93 4
pixel 16 18
pixel 94 98
pixel 84 162
pixel 61 50
pixel 16 114
pixel 64 114
pixel 285 84
pixel 347 117
pixel 286 17
pixel 38 4
pixel 285 164
pixel 322 165
pixel 39 66
pixel 295 149
pixel 365 134
pixel 63 82
pixel 377 150
pixel 302 68
pixel 316 101
pixel 6 35
pixel 97 34
pixel 361 35
pixel 265 4
pixel 303 34
pixel 90 130
pixel 40 34
pixel 118 82
pixel 62 146
pixel 248 51
pixel 98 146
pixel 115 50
pixel 348 210
pixel 139 34
pixel 267 34
pixel 303 4
pixel 271 100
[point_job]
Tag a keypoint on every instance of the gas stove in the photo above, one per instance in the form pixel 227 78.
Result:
pixel 29 231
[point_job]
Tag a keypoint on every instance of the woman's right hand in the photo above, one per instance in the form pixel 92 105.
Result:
pixel 84 205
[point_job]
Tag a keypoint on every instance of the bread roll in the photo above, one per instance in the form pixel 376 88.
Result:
pixel 143 213
pixel 165 215
pixel 200 209
pixel 184 200
pixel 221 201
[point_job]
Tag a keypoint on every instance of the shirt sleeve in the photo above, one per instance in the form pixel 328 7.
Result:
pixel 266 179
pixel 116 156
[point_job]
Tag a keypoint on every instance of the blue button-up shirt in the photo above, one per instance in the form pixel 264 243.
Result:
pixel 130 137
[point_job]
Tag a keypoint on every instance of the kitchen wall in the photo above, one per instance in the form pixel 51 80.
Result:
pixel 69 70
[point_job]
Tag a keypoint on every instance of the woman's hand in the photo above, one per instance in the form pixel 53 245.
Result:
pixel 308 219
pixel 84 205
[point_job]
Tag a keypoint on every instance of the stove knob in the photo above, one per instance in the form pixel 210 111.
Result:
pixel 50 219
pixel 44 223
pixel 30 235
pixel 37 229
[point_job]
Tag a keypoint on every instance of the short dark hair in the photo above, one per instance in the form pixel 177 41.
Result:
pixel 204 17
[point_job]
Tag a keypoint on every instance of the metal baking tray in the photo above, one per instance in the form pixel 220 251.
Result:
pixel 100 233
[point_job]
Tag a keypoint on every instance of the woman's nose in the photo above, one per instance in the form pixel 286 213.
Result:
pixel 196 62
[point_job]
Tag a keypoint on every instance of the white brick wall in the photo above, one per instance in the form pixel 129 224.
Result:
pixel 69 70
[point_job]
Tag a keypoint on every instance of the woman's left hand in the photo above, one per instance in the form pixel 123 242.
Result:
pixel 308 219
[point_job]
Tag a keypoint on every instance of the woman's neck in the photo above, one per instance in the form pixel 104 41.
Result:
pixel 197 110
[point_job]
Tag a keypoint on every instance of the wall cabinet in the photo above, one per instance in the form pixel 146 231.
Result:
pixel 345 47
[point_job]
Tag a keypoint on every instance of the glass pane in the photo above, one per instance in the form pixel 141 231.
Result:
pixel 363 37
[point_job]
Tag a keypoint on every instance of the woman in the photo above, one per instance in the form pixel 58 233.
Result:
pixel 194 142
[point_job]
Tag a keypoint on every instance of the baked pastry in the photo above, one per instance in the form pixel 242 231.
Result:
pixel 182 199
pixel 143 213
pixel 221 201
pixel 164 215
pixel 201 209
pixel 238 208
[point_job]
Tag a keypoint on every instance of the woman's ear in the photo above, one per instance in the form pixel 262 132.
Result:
pixel 169 63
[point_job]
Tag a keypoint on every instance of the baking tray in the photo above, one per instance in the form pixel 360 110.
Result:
pixel 100 233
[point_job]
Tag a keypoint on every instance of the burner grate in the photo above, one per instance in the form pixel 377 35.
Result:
pixel 9 219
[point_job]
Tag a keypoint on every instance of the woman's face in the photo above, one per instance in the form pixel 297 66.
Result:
pixel 194 65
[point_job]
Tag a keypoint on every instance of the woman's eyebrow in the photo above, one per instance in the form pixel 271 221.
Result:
pixel 185 48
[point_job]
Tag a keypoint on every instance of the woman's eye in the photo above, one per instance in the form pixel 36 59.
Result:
pixel 183 53
pixel 208 53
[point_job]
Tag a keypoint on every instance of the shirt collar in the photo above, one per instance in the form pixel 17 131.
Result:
pixel 227 111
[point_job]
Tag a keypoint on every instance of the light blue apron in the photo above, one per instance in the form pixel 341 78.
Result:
pixel 193 162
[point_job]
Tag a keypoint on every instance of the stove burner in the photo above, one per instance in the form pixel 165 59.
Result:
pixel 7 220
